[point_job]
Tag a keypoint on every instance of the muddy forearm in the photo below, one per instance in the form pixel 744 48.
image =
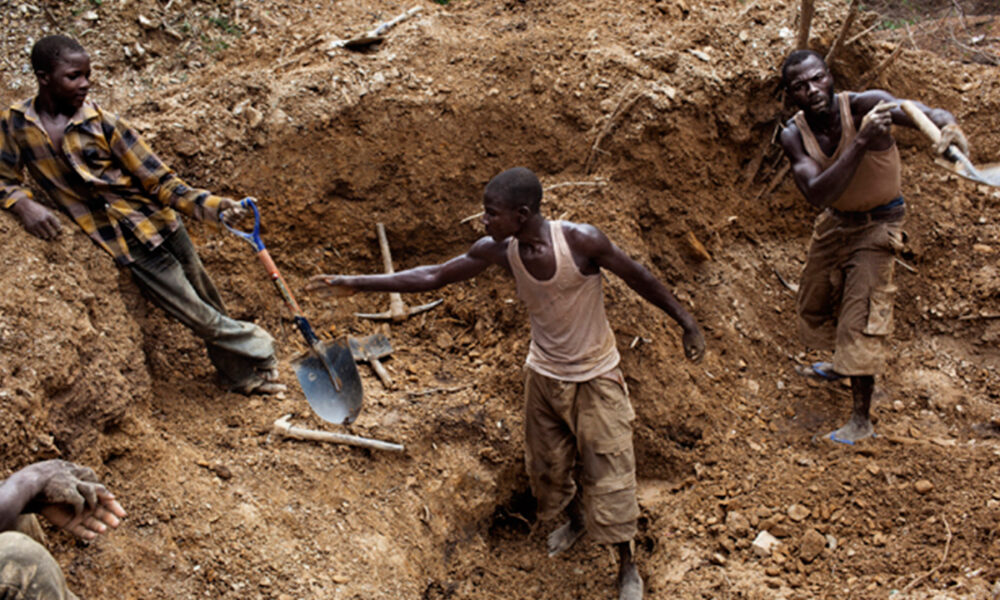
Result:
pixel 825 188
pixel 418 279
pixel 16 492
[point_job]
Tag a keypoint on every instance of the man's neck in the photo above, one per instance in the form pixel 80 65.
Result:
pixel 48 108
pixel 534 233
pixel 825 122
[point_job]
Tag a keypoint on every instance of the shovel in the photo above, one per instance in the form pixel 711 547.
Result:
pixel 370 349
pixel 327 374
pixel 988 174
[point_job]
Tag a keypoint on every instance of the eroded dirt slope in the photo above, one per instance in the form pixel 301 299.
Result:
pixel 652 120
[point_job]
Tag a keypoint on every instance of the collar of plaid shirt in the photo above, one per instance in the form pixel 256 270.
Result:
pixel 104 176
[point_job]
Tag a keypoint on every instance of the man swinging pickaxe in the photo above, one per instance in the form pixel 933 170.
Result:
pixel 398 310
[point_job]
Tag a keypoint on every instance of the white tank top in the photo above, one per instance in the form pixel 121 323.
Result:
pixel 571 339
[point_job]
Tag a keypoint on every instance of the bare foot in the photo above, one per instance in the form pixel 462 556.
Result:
pixel 563 538
pixel 857 429
pixel 629 583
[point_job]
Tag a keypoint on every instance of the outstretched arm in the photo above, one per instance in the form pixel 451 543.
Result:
pixel 67 494
pixel 591 242
pixel 482 254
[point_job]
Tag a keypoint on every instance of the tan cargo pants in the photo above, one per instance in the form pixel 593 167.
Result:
pixel 846 292
pixel 589 422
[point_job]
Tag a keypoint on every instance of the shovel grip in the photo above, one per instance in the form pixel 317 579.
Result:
pixel 923 123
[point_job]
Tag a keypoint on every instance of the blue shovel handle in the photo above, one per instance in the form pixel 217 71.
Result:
pixel 254 236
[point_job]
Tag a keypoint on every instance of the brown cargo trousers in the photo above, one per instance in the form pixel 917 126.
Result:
pixel 846 292
pixel 589 422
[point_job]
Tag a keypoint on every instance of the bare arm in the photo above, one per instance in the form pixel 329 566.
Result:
pixel 591 242
pixel 481 255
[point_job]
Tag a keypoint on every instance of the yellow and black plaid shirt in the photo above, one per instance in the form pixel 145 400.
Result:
pixel 105 177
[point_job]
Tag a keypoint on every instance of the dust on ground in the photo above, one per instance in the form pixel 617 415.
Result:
pixel 652 119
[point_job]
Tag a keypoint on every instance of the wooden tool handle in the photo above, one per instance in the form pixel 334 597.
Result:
pixel 924 124
pixel 381 371
pixel 397 308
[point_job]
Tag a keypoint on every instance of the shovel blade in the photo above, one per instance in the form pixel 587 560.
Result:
pixel 330 404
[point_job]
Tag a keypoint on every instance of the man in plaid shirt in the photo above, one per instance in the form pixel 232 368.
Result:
pixel 100 173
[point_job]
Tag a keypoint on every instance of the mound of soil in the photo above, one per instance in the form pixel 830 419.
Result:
pixel 653 120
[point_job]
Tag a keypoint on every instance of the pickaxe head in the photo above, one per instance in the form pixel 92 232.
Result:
pixel 400 316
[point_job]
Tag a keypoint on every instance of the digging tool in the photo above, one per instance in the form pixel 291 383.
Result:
pixel 370 349
pixel 398 310
pixel 327 374
pixel 988 174
pixel 284 427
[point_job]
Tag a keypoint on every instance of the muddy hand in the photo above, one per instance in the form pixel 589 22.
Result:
pixel 231 211
pixel 878 120
pixel 37 220
pixel 694 344
pixel 951 135
pixel 329 285
pixel 92 521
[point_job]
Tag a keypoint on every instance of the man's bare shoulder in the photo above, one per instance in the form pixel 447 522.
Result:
pixel 791 138
pixel 487 248
pixel 584 237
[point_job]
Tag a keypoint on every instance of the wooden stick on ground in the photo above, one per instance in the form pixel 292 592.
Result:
pixel 805 22
pixel 944 557
pixel 852 12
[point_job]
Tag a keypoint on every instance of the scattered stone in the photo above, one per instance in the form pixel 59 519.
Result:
pixel 146 22
pixel 764 543
pixel 773 570
pixel 254 117
pixel 923 486
pixel 737 524
pixel 798 513
pixel 879 539
pixel 718 559
pixel 874 469
pixel 700 55
pixel 90 15
pixel 812 545
pixel 831 542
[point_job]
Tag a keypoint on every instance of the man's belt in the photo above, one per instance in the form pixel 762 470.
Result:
pixel 888 210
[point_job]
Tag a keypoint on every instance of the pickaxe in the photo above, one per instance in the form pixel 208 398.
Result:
pixel 398 311
pixel 284 428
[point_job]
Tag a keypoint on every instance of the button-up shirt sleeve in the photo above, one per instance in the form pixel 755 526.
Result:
pixel 12 188
pixel 156 178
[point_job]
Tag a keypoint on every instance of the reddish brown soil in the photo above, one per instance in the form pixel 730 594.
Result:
pixel 671 105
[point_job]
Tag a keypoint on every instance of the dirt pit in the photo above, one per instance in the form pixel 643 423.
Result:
pixel 653 120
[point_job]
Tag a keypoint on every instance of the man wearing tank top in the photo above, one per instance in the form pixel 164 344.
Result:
pixel 846 163
pixel 576 405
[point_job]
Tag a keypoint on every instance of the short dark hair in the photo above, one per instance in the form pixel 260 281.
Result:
pixel 516 187
pixel 47 51
pixel 795 58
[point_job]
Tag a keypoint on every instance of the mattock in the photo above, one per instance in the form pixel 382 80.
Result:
pixel 398 310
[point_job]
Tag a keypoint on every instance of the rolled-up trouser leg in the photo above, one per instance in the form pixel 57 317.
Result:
pixel 865 319
pixel 28 571
pixel 604 439
pixel 174 278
